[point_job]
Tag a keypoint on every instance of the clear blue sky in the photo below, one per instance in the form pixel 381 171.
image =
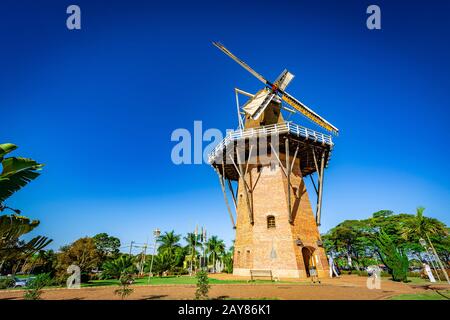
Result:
pixel 98 105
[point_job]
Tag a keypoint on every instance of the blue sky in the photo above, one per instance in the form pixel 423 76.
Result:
pixel 98 105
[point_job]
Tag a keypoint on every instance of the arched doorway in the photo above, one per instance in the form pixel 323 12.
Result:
pixel 308 260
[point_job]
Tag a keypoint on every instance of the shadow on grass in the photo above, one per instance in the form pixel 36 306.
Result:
pixel 155 297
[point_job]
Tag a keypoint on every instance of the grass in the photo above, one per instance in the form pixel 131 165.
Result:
pixel 171 280
pixel 432 295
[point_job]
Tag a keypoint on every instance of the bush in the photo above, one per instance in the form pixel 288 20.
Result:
pixel 178 271
pixel 202 285
pixel 6 283
pixel 125 281
pixel 35 286
pixel 394 259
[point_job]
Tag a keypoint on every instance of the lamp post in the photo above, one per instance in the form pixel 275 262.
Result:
pixel 156 234
pixel 424 244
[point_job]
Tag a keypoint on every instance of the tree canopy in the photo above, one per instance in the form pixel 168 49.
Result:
pixel 354 240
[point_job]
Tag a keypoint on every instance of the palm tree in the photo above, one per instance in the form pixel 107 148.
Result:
pixel 215 248
pixel 421 226
pixel 170 247
pixel 169 242
pixel 113 269
pixel 192 243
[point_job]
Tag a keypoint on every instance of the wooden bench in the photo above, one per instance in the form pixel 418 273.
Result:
pixel 260 274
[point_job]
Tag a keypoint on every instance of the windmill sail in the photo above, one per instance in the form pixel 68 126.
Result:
pixel 308 113
pixel 256 106
pixel 283 80
pixel 241 63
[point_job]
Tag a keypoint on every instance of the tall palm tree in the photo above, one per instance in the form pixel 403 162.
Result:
pixel 215 248
pixel 421 226
pixel 169 243
pixel 192 245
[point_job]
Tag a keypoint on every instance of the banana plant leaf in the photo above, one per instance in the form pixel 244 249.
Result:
pixel 17 172
pixel 11 228
pixel 6 148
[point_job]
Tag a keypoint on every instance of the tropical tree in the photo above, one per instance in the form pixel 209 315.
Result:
pixel 215 248
pixel 82 253
pixel 422 227
pixel 228 260
pixel 192 244
pixel 108 246
pixel 169 243
pixel 163 262
pixel 16 173
pixel 42 262
pixel 13 251
pixel 354 240
pixel 393 258
pixel 113 269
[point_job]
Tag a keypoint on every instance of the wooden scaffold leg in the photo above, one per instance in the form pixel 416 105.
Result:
pixel 222 185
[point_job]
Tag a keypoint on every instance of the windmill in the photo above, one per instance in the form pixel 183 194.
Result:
pixel 276 229
pixel 257 104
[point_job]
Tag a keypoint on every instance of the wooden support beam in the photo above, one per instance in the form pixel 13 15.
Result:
pixel 278 158
pixel 315 160
pixel 248 160
pixel 247 198
pixel 319 197
pixel 314 184
pixel 288 167
pixel 293 159
pixel 222 185
pixel 233 196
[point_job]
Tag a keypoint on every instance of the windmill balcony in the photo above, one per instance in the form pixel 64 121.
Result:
pixel 301 138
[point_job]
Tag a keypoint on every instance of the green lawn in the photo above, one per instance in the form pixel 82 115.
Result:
pixel 169 281
pixel 432 295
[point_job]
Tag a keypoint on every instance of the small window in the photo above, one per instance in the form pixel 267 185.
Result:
pixel 259 168
pixel 270 222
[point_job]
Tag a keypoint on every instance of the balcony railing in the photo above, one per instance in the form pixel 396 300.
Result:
pixel 273 129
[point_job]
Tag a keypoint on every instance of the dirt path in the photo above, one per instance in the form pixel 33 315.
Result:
pixel 345 288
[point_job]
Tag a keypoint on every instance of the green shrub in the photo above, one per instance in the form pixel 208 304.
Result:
pixel 202 285
pixel 178 271
pixel 394 259
pixel 35 286
pixel 6 282
pixel 125 281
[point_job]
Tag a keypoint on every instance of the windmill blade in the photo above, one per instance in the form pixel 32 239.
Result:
pixel 242 63
pixel 283 80
pixel 256 105
pixel 308 113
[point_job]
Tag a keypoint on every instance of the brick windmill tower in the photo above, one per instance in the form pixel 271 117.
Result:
pixel 261 167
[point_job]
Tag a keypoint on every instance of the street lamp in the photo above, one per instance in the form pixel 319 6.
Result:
pixel 156 234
